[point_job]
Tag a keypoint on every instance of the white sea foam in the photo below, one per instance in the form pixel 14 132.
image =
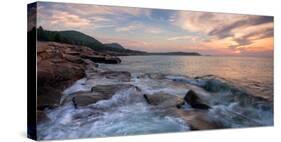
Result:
pixel 126 113
pixel 79 85
pixel 235 115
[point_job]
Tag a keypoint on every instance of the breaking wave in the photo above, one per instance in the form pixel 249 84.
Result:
pixel 127 113
pixel 232 106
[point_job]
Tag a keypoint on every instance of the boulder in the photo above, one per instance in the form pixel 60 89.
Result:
pixel 197 119
pixel 163 100
pixel 194 101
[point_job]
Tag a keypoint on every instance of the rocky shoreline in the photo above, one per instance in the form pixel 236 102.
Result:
pixel 69 77
pixel 59 66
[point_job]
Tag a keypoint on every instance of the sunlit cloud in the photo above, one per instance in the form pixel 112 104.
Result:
pixel 164 30
pixel 139 26
pixel 69 20
pixel 99 19
pixel 77 15
pixel 227 29
pixel 204 22
pixel 236 32
pixel 90 10
pixel 188 37
pixel 127 28
pixel 154 30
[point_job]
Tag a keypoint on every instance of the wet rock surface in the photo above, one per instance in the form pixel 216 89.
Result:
pixel 106 102
pixel 97 93
pixel 163 100
pixel 58 67
pixel 192 98
pixel 197 119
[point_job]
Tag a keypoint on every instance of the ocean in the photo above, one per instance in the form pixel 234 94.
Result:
pixel 240 93
pixel 254 74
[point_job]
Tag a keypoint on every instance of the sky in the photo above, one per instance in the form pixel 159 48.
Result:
pixel 159 30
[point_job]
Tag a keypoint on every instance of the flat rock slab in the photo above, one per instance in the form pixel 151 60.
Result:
pixel 197 119
pixel 163 100
pixel 97 93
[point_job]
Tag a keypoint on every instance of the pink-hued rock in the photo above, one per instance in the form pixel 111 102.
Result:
pixel 58 66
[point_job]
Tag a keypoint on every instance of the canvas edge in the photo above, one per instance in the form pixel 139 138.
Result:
pixel 31 71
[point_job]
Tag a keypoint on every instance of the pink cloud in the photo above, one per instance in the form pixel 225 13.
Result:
pixel 68 19
pixel 204 21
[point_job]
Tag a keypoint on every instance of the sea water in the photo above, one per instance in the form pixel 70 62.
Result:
pixel 127 113
pixel 252 73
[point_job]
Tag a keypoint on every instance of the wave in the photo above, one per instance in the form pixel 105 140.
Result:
pixel 127 112
pixel 232 106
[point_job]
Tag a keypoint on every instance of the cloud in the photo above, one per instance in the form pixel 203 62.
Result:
pixel 233 31
pixel 153 30
pixel 250 38
pixel 203 22
pixel 67 19
pixel 220 25
pixel 80 15
pixel 127 28
pixel 104 26
pixel 139 26
pixel 187 37
pixel 99 19
pixel 163 30
pixel 90 10
pixel 226 30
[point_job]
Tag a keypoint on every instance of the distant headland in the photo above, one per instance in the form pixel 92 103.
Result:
pixel 115 48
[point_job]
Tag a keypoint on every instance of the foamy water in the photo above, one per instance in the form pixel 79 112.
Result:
pixel 127 113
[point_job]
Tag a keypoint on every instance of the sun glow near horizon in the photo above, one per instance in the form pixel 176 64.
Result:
pixel 158 30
